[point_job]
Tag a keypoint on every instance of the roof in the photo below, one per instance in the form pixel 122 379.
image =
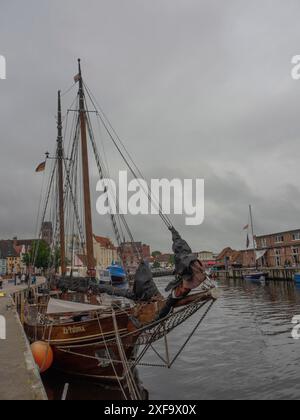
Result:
pixel 236 257
pixel 105 242
pixel 226 252
pixel 26 242
pixel 131 244
pixel 7 249
pixel 18 249
pixel 164 258
pixel 278 233
pixel 83 259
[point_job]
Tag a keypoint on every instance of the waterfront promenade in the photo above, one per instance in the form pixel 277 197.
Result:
pixel 19 377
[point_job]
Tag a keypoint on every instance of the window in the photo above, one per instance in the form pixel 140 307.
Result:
pixel 295 254
pixel 296 236
pixel 277 257
pixel 264 243
pixel 279 239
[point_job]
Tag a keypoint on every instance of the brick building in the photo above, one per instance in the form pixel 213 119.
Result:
pixel 12 253
pixel 132 251
pixel 229 258
pixel 281 249
pixel 165 260
pixel 47 232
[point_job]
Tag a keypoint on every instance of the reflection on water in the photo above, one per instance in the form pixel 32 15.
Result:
pixel 80 389
pixel 243 350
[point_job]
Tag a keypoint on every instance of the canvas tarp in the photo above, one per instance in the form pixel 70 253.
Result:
pixel 56 306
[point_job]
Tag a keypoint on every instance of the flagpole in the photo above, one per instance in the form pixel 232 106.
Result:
pixel 252 231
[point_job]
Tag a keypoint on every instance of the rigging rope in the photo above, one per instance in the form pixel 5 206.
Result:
pixel 103 117
pixel 102 174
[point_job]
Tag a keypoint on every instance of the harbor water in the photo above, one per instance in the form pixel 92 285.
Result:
pixel 243 350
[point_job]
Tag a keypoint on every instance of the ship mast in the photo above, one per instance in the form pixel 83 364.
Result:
pixel 86 180
pixel 60 157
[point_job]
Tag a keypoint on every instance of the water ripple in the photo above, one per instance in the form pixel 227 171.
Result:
pixel 243 350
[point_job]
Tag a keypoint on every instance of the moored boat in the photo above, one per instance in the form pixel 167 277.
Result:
pixel 254 274
pixel 118 275
pixel 297 278
pixel 258 276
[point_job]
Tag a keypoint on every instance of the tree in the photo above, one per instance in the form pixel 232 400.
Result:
pixel 172 260
pixel 156 264
pixel 56 259
pixel 156 254
pixel 39 255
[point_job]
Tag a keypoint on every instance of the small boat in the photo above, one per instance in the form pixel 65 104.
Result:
pixel 255 275
pixel 118 275
pixel 297 278
pixel 258 277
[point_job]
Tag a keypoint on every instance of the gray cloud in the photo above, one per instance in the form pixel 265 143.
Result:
pixel 195 89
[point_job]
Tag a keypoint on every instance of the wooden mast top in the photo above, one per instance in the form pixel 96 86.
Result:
pixel 60 157
pixel 86 180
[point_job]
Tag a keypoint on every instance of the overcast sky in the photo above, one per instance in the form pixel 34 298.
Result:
pixel 195 89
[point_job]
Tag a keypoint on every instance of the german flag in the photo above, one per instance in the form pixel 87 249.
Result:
pixel 41 167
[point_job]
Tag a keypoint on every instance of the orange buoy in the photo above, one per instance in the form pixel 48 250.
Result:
pixel 42 354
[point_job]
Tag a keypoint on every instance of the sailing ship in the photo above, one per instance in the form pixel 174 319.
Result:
pixel 255 275
pixel 96 331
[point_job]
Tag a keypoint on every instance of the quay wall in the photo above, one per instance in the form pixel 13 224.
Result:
pixel 19 376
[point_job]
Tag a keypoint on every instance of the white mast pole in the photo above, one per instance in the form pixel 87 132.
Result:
pixel 252 231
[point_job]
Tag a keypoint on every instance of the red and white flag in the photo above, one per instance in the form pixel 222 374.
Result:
pixel 77 78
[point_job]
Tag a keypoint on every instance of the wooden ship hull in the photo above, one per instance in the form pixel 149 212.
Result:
pixel 85 348
pixel 103 347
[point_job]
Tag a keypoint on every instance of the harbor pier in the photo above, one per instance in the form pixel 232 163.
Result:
pixel 19 376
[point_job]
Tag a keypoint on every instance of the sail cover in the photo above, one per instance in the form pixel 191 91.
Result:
pixel 260 254
pixel 56 306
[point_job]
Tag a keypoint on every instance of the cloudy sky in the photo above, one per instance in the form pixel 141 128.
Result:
pixel 195 89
